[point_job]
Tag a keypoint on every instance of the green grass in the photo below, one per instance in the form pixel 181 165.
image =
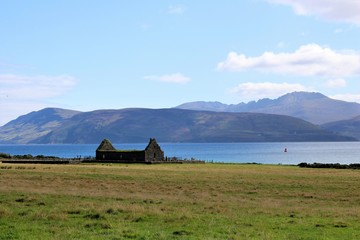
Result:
pixel 205 201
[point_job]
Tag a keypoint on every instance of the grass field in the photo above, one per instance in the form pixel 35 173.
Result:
pixel 179 201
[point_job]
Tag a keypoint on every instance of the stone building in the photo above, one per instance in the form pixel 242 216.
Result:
pixel 152 153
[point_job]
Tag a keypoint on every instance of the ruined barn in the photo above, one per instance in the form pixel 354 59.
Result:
pixel 106 152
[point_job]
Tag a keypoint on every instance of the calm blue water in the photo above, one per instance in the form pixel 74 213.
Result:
pixel 271 153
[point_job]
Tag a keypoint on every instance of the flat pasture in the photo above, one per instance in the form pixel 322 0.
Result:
pixel 178 201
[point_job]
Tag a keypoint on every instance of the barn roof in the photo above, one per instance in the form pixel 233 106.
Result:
pixel 105 145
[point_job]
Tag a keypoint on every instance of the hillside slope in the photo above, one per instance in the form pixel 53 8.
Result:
pixel 36 124
pixel 349 127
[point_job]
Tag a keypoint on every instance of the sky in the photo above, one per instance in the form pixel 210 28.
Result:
pixel 86 55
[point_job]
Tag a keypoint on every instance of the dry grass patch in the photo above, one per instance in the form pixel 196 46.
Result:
pixel 207 201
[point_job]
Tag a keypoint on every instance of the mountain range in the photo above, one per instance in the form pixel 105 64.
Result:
pixel 313 107
pixel 167 125
pixel 54 125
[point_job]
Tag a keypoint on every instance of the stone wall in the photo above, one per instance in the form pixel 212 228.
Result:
pixel 153 152
pixel 121 156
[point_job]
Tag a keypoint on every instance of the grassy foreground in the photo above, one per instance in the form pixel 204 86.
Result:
pixel 205 201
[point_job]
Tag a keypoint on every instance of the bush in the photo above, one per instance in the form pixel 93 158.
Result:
pixel 329 165
pixel 5 155
pixel 27 156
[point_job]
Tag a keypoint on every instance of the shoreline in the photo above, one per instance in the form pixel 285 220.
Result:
pixel 62 161
pixel 57 160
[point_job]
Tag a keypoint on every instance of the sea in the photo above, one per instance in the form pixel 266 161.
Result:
pixel 287 153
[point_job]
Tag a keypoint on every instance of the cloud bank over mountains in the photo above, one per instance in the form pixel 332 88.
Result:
pixel 308 60
pixel 266 89
pixel 311 60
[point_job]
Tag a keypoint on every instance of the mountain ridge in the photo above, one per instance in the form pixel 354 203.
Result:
pixel 310 106
pixel 167 125
pixel 262 120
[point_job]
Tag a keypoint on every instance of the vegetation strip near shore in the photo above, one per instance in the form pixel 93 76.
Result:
pixel 206 201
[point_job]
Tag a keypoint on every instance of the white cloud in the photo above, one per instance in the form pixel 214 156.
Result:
pixel 347 97
pixel 336 83
pixel 171 78
pixel 335 10
pixel 20 94
pixel 35 87
pixel 308 60
pixel 252 91
pixel 176 10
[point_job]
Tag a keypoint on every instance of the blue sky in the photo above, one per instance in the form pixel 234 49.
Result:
pixel 88 55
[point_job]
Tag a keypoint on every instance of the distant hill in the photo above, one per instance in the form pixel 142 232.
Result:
pixel 166 125
pixel 313 107
pixel 349 127
pixel 34 125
